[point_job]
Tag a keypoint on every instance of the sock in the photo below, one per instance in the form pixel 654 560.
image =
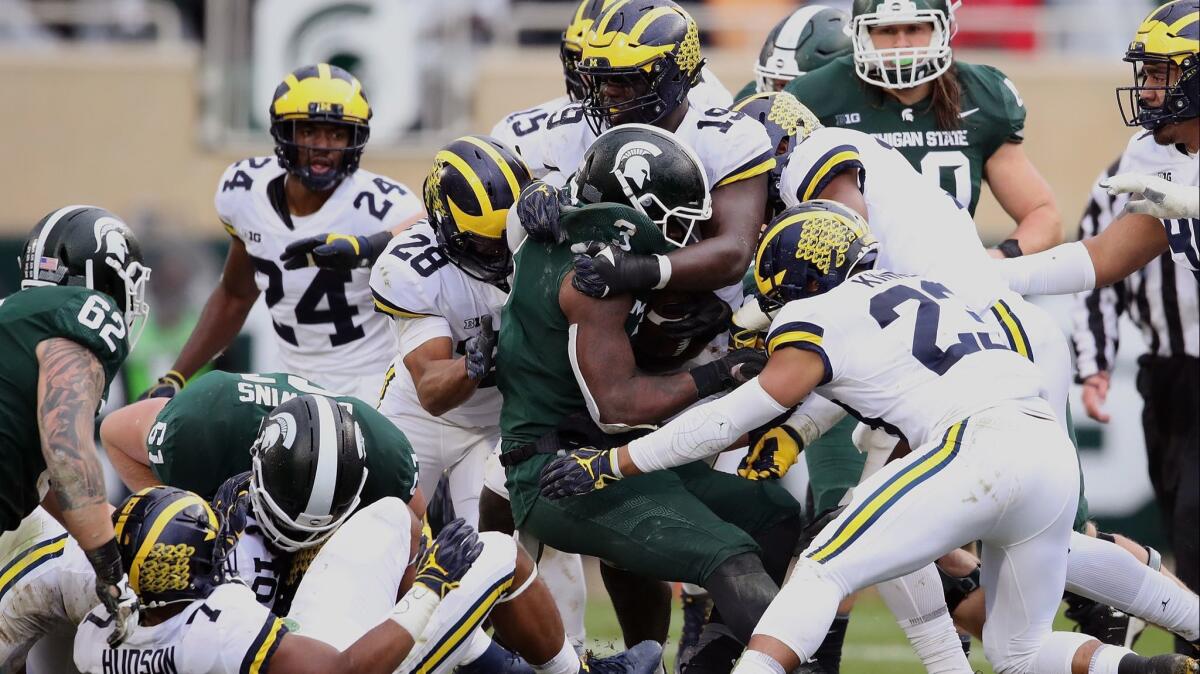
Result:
pixel 936 643
pixel 918 602
pixel 566 662
pixel 1107 660
pixel 753 662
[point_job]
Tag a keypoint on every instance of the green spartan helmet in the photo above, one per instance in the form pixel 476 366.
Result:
pixel 807 39
pixel 906 67
pixel 652 171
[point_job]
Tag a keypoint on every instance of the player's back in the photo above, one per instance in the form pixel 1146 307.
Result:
pixel 321 316
pixel 226 633
pixel 921 228
pixel 414 279
pixel 904 353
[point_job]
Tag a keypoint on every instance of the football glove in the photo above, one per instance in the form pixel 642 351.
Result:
pixel 1154 196
pixel 480 350
pixel 579 472
pixel 772 453
pixel 166 387
pixel 539 208
pixel 728 372
pixel 603 269
pixel 709 316
pixel 335 251
pixel 445 560
pixel 112 587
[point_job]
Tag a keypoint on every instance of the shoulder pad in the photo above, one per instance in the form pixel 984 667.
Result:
pixel 391 202
pixel 398 286
pixel 817 160
pixel 239 180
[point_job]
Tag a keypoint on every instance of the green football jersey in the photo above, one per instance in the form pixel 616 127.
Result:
pixel 533 367
pixel 28 318
pixel 747 91
pixel 203 436
pixel 992 114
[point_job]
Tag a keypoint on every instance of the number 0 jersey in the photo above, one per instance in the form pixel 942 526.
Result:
pixel 921 229
pixel 1173 163
pixel 903 353
pixel 322 317
pixel 226 633
pixel 430 297
pixel 27 318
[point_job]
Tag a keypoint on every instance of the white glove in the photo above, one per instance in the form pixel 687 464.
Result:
pixel 122 606
pixel 751 317
pixel 1154 196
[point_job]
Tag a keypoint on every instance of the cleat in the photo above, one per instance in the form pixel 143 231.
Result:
pixel 644 658
pixel 1106 623
pixel 1172 663
pixel 696 608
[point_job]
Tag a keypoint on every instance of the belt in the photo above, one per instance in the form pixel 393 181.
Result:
pixel 574 431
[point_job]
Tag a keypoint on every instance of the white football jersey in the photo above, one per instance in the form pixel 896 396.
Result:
pixel 903 353
pixel 1173 163
pixel 226 633
pixel 46 582
pixel 429 297
pixel 256 564
pixel 323 317
pixel 921 229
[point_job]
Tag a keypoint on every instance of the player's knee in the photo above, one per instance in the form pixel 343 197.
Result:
pixel 1026 656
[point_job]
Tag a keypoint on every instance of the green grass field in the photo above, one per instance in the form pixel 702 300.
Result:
pixel 874 640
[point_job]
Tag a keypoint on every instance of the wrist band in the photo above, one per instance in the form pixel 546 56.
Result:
pixel 106 562
pixel 1010 248
pixel 414 609
pixel 175 376
pixel 664 271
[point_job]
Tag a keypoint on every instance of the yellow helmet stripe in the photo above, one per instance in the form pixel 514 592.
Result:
pixel 602 25
pixel 472 178
pixel 323 71
pixel 156 530
pixel 505 169
pixel 650 17
pixel 123 517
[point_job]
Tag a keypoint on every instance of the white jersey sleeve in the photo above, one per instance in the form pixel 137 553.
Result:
pixel 428 297
pixel 731 145
pixel 710 92
pixel 903 353
pixel 226 633
pixel 1143 155
pixel 326 329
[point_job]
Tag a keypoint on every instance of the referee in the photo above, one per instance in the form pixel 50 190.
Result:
pixel 1161 299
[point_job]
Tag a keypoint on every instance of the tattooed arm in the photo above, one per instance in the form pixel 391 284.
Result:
pixel 70 383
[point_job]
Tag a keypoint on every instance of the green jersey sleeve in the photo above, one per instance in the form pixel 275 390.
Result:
pixel 391 464
pixel 1001 112
pixel 94 321
pixel 831 91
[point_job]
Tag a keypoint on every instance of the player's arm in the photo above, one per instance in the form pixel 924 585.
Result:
pixel 443 381
pixel 1129 244
pixel 124 433
pixel 223 314
pixel 700 432
pixel 615 390
pixel 844 189
pixel 1024 194
pixel 70 385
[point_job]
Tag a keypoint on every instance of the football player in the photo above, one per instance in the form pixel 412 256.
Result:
pixel 65 334
pixel 924 231
pixel 958 123
pixel 805 40
pixel 306 225
pixel 443 282
pixel 640 60
pixel 992 458
pixel 566 369
pixel 1165 100
pixel 524 130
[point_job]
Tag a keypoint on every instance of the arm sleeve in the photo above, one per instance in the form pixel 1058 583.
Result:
pixel 1095 334
pixel 706 429
pixel 1066 268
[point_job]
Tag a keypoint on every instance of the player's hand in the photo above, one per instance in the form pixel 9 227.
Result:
pixel 707 319
pixel 772 453
pixel 539 208
pixel 1154 196
pixel 579 472
pixel 1095 393
pixel 122 606
pixel 728 372
pixel 335 251
pixel 480 349
pixel 166 387
pixel 602 269
pixel 445 560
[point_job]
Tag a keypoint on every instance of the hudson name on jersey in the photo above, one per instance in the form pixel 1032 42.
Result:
pixel 429 297
pixel 322 317
pixel 903 353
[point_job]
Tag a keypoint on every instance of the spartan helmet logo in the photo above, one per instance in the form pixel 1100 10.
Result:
pixel 906 114
pixel 633 164
pixel 110 238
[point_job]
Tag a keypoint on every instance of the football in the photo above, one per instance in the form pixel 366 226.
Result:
pixel 661 344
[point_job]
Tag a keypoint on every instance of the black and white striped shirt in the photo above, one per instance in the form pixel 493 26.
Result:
pixel 1160 298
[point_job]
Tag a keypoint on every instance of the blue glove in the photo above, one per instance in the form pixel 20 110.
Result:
pixel 166 387
pixel 602 269
pixel 335 251
pixel 480 350
pixel 539 208
pixel 446 560
pixel 579 472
